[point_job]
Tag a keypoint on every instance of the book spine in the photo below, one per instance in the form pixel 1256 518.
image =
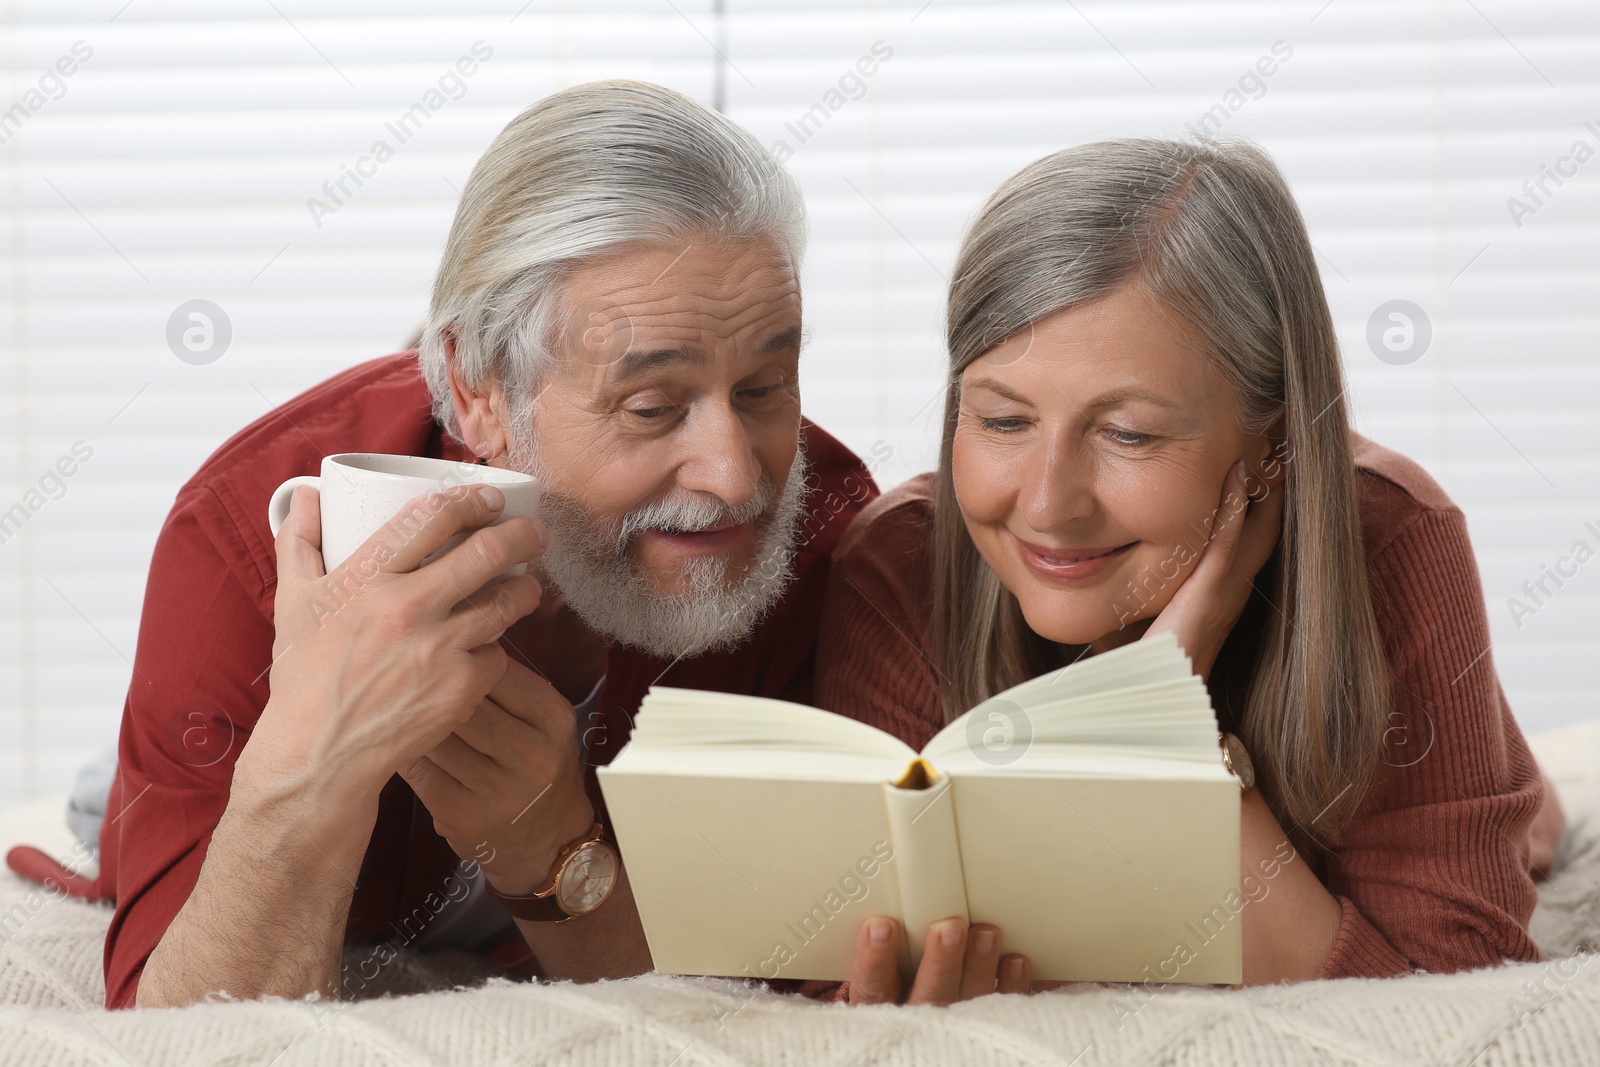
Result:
pixel 927 861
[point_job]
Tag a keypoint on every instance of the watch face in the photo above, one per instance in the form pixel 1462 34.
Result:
pixel 587 879
pixel 1239 761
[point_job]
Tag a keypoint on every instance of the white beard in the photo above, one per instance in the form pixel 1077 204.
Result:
pixel 591 561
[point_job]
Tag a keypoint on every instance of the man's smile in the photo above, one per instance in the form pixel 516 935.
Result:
pixel 713 541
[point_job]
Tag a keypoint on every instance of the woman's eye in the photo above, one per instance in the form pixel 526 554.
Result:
pixel 1128 437
pixel 1003 425
pixel 649 413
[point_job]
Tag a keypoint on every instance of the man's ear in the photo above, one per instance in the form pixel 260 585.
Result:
pixel 478 410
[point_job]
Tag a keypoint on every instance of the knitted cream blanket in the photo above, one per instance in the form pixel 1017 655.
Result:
pixel 51 991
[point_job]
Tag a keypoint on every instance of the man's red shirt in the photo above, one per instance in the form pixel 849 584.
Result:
pixel 200 675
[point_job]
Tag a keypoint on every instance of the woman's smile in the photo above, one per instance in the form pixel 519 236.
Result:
pixel 1068 564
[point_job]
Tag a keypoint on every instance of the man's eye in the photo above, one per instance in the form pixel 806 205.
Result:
pixel 649 413
pixel 1128 437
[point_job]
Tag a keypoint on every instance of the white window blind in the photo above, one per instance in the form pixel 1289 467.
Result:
pixel 164 151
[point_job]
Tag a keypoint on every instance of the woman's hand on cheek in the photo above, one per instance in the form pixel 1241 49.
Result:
pixel 957 964
pixel 1210 600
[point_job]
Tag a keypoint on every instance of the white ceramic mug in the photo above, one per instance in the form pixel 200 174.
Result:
pixel 363 490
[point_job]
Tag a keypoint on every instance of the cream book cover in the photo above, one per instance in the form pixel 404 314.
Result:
pixel 1086 812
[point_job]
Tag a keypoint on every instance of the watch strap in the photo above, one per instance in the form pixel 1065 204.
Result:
pixel 543 904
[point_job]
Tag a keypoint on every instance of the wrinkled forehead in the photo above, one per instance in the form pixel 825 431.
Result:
pixel 715 302
pixel 1124 342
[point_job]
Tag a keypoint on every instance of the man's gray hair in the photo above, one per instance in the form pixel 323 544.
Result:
pixel 581 173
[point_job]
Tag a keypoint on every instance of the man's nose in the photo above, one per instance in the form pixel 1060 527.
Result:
pixel 720 456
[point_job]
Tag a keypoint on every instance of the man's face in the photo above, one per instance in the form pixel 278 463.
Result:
pixel 667 437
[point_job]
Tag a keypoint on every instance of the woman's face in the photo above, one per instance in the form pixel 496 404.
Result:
pixel 1102 432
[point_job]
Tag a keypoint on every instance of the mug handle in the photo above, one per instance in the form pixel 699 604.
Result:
pixel 278 506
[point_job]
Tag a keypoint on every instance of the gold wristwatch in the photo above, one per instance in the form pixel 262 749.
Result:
pixel 583 876
pixel 1237 760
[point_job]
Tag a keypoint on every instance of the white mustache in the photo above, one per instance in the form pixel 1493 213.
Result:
pixel 692 512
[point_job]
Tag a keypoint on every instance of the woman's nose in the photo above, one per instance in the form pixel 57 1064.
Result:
pixel 1058 490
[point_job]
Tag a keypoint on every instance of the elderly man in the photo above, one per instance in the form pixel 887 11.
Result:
pixel 617 311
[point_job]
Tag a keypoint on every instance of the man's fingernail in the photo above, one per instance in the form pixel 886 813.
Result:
pixel 492 498
pixel 879 931
pixel 950 933
pixel 1014 967
pixel 983 942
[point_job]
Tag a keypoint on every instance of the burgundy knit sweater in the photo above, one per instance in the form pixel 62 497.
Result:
pixel 1433 871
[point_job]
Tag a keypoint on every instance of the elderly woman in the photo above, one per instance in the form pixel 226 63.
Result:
pixel 1145 431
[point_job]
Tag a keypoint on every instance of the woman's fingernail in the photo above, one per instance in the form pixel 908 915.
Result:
pixel 983 942
pixel 879 931
pixel 1014 967
pixel 950 933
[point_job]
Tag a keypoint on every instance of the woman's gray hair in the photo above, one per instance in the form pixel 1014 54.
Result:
pixel 1212 231
pixel 581 173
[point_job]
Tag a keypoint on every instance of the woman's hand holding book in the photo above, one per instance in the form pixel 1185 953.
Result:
pixel 958 963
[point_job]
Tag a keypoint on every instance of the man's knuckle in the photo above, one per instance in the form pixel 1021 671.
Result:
pixel 528 592
pixel 459 696
pixel 391 617
pixel 467 503
pixel 413 515
pixel 491 551
pixel 530 534
pixel 504 607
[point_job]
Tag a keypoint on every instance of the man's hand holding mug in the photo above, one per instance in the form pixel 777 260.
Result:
pixel 378 658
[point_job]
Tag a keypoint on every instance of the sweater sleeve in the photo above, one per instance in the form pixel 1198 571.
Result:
pixel 1432 874
pixel 872 663
pixel 871 658
pixel 198 687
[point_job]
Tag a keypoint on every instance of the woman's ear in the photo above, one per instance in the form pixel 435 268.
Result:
pixel 1273 465
pixel 477 408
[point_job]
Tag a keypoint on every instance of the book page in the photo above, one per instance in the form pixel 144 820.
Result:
pixel 670 717
pixel 1099 879
pixel 756 877
pixel 1143 694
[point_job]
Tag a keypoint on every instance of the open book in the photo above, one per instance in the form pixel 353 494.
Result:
pixel 1086 812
